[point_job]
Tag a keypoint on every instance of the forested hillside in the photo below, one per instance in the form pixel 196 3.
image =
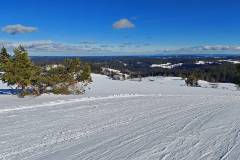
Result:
pixel 218 68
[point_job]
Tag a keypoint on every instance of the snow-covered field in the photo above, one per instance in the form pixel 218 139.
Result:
pixel 158 118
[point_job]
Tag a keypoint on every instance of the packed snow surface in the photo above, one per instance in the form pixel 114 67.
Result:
pixel 153 119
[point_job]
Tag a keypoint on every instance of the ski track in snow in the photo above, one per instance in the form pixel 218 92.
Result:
pixel 203 126
pixel 60 102
pixel 88 99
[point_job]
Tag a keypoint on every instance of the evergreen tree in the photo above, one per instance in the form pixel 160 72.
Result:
pixel 85 74
pixel 4 57
pixel 65 78
pixel 72 65
pixel 19 70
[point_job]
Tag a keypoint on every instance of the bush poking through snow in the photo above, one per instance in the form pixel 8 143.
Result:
pixel 192 81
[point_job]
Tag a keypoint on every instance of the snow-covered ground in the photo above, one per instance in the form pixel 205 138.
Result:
pixel 166 65
pixel 230 61
pixel 203 62
pixel 157 118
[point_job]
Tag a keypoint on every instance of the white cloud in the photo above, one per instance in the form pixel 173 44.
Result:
pixel 205 49
pixel 212 48
pixel 18 28
pixel 123 24
pixel 47 46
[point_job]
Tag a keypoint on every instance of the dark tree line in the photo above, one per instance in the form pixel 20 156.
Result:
pixel 217 72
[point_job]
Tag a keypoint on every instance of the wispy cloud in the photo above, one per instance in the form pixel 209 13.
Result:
pixel 123 24
pixel 55 47
pixel 44 47
pixel 206 48
pixel 84 48
pixel 18 28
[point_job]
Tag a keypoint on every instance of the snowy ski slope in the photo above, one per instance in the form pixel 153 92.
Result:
pixel 124 120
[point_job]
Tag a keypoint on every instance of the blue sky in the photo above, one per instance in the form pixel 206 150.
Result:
pixel 126 27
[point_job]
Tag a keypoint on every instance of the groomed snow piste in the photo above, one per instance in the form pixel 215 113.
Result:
pixel 155 119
